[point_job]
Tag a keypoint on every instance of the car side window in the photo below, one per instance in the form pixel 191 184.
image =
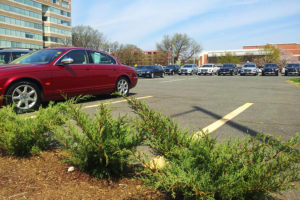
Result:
pixel 100 58
pixel 78 56
pixel 4 57
pixel 16 55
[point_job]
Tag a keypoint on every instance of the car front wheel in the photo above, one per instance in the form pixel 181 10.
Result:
pixel 122 86
pixel 24 95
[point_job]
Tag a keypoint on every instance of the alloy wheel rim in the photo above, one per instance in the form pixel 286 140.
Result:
pixel 123 87
pixel 24 97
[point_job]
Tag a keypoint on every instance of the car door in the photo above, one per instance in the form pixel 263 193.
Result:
pixel 74 78
pixel 104 70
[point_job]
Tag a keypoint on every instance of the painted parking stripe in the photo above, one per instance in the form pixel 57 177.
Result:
pixel 216 125
pixel 115 102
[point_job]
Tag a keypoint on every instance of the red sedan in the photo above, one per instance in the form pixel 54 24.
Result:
pixel 52 74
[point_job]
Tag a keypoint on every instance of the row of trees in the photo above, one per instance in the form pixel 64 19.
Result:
pixel 172 49
pixel 178 48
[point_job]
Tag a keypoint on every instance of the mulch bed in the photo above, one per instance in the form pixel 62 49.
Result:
pixel 46 177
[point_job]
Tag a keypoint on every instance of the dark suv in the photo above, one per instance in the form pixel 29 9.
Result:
pixel 172 69
pixel 229 69
pixel 8 55
pixel 292 69
pixel 270 69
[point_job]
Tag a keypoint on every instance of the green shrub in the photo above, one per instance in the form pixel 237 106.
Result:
pixel 296 80
pixel 98 145
pixel 250 168
pixel 21 135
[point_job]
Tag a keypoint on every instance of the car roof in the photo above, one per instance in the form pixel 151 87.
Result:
pixel 15 50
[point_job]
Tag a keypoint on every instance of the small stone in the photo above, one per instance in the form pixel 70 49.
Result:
pixel 138 187
pixel 71 169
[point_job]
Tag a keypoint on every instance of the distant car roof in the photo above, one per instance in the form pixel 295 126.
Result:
pixel 15 50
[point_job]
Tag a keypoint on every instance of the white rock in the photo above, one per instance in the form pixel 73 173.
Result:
pixel 70 169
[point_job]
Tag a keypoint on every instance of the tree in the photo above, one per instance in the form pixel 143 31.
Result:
pixel 128 54
pixel 180 46
pixel 272 54
pixel 87 37
pixel 229 58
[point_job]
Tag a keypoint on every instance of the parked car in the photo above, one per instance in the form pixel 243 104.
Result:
pixel 269 69
pixel 209 69
pixel 239 68
pixel 150 71
pixel 249 69
pixel 54 73
pixel 227 69
pixel 172 69
pixel 8 55
pixel 291 69
pixel 188 69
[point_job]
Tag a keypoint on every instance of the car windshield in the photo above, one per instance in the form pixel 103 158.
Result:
pixel 228 66
pixel 187 66
pixel 45 56
pixel 293 65
pixel 249 66
pixel 170 67
pixel 145 67
pixel 270 65
pixel 206 65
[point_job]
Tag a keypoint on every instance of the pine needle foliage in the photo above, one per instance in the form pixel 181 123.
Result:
pixel 99 145
pixel 200 168
pixel 22 135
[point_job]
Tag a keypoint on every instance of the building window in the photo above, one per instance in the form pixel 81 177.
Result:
pixel 19 22
pixel 55 1
pixel 12 44
pixel 30 3
pixel 20 34
pixel 65 4
pixel 20 11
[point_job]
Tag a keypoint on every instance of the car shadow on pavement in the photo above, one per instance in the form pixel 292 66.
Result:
pixel 89 99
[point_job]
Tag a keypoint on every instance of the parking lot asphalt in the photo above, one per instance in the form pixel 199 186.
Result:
pixel 198 101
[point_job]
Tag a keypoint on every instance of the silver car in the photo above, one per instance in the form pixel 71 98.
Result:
pixel 249 69
pixel 188 69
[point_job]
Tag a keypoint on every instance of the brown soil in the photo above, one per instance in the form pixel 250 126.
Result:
pixel 46 177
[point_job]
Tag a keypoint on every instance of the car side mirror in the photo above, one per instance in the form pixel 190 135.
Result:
pixel 66 61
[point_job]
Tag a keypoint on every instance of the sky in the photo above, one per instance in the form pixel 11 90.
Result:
pixel 214 24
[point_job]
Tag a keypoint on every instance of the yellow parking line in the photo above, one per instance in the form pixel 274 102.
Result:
pixel 214 126
pixel 114 102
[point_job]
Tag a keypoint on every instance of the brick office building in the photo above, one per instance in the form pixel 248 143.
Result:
pixel 249 51
pixel 35 24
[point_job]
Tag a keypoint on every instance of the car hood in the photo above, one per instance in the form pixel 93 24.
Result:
pixel 252 68
pixel 189 69
pixel 206 68
pixel 144 70
pixel 10 67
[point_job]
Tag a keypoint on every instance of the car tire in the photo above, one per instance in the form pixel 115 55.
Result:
pixel 122 86
pixel 25 95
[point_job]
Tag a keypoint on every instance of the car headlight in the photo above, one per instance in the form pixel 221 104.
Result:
pixel 148 72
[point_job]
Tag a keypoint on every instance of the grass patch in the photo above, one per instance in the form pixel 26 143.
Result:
pixel 294 81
